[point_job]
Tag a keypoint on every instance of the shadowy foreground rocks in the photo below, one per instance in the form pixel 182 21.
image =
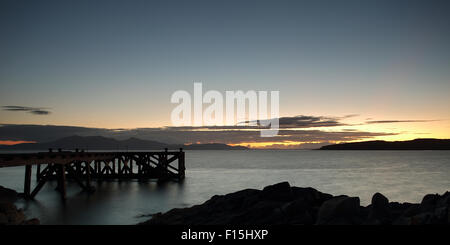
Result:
pixel 283 204
pixel 9 213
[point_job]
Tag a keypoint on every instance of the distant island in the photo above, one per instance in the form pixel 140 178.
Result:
pixel 417 144
pixel 104 143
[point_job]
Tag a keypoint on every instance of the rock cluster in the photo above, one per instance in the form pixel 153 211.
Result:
pixel 283 204
pixel 9 213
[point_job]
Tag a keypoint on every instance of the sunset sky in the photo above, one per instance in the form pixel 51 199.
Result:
pixel 346 70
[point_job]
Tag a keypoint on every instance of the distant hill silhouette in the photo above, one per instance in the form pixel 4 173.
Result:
pixel 417 144
pixel 103 143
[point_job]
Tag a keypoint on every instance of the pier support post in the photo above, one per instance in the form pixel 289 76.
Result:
pixel 62 180
pixel 181 165
pixel 27 187
pixel 119 168
pixel 113 166
pixel 78 168
pixel 131 166
pixel 88 175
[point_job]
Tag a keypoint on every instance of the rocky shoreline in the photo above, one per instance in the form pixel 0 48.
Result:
pixel 9 213
pixel 283 204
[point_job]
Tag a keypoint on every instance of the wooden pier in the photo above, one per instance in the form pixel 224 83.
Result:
pixel 84 167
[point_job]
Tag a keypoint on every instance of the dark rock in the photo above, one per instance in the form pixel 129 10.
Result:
pixel 379 209
pixel 295 207
pixel 6 207
pixel 429 202
pixel 422 218
pixel 278 192
pixel 440 215
pixel 339 210
pixel 299 212
pixel 379 201
pixel 3 219
pixel 32 222
pixel 402 221
pixel 411 210
pixel 444 200
pixel 282 204
pixel 234 200
pixel 448 215
pixel 364 211
pixel 263 212
pixel 9 213
pixel 7 195
pixel 310 195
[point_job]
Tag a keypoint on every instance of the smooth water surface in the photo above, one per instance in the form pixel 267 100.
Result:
pixel 404 176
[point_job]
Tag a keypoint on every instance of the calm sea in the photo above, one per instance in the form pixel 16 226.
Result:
pixel 403 176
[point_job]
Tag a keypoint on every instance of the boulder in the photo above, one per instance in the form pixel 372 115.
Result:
pixel 444 200
pixel 7 195
pixel 299 212
pixel 7 207
pixel 422 218
pixel 440 215
pixel 278 192
pixel 32 222
pixel 411 210
pixel 339 210
pixel 429 202
pixel 234 200
pixel 9 213
pixel 263 212
pixel 3 219
pixel 379 209
pixel 310 195
pixel 448 215
pixel 379 201
pixel 402 221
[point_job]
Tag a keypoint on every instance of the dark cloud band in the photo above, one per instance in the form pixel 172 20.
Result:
pixel 43 133
pixel 32 110
pixel 300 129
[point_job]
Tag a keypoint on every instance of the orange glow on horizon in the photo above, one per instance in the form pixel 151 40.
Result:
pixel 276 144
pixel 14 142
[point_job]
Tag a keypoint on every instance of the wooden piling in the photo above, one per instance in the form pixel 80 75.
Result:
pixel 181 165
pixel 88 175
pixel 62 180
pixel 27 187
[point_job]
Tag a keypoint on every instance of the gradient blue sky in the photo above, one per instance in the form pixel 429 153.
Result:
pixel 115 63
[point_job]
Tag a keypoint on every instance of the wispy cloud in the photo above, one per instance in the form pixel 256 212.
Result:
pixel 398 121
pixel 32 110
pixel 302 121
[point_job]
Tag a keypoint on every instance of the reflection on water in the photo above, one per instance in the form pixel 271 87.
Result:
pixel 400 175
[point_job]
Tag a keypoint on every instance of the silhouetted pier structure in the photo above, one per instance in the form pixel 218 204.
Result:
pixel 83 167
